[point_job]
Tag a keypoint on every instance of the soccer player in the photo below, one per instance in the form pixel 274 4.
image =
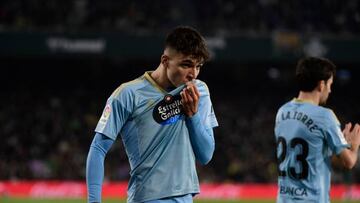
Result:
pixel 165 120
pixel 308 135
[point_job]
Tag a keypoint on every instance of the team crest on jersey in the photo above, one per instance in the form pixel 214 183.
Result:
pixel 168 110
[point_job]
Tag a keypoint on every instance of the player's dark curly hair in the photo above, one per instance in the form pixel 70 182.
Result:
pixel 311 70
pixel 187 41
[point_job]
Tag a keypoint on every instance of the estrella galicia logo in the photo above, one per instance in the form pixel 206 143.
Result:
pixel 168 110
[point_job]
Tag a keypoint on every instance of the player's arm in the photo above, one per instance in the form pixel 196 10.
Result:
pixel 95 166
pixel 202 139
pixel 348 156
pixel 115 114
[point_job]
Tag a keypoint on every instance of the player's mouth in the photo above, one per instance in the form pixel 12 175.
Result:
pixel 189 78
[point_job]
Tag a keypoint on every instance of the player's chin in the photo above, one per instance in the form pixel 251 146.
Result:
pixel 189 79
pixel 179 84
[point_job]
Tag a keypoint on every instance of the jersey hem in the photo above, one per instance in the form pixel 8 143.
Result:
pixel 164 196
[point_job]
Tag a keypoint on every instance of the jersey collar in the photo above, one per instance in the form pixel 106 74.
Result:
pixel 303 101
pixel 158 87
pixel 152 81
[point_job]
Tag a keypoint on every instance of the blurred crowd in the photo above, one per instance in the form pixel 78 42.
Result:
pixel 47 122
pixel 226 17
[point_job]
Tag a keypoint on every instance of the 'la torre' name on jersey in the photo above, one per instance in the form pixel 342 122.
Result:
pixel 300 116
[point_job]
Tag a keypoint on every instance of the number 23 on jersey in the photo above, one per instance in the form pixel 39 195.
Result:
pixel 284 149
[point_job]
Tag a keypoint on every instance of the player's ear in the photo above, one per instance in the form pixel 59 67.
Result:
pixel 321 85
pixel 165 60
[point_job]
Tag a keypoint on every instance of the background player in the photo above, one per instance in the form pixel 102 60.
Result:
pixel 307 136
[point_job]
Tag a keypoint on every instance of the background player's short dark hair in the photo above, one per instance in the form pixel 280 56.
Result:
pixel 311 70
pixel 188 41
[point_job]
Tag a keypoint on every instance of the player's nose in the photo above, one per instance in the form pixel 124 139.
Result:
pixel 193 72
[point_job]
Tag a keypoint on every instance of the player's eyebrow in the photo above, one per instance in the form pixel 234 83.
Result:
pixel 192 62
pixel 187 61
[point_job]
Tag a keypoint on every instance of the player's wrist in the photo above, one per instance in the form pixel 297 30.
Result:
pixel 190 114
pixel 195 118
pixel 354 147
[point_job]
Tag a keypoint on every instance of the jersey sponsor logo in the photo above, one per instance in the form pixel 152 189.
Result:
pixel 106 114
pixel 168 110
pixel 293 191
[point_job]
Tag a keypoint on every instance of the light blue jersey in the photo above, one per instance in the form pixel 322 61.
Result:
pixel 155 136
pixel 307 135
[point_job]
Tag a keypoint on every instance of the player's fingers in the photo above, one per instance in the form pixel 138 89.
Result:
pixel 197 91
pixel 189 89
pixel 185 102
pixel 192 92
pixel 189 96
pixel 194 99
pixel 356 128
pixel 183 97
pixel 355 133
pixel 347 128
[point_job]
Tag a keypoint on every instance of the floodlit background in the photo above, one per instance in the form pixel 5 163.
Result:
pixel 60 60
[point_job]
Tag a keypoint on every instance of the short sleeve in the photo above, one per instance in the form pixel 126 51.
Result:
pixel 117 110
pixel 334 134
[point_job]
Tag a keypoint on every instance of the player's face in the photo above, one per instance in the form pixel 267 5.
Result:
pixel 182 68
pixel 325 93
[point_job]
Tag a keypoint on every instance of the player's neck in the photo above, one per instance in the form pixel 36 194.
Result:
pixel 159 76
pixel 312 97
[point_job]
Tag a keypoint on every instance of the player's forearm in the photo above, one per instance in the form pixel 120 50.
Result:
pixel 349 156
pixel 94 174
pixel 202 140
pixel 95 166
pixel 354 155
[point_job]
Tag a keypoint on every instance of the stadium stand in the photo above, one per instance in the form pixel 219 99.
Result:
pixel 50 106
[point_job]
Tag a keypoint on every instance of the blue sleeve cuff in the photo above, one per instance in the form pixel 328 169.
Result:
pixel 95 166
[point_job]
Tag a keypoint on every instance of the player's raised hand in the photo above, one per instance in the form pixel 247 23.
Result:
pixel 346 132
pixel 355 135
pixel 352 136
pixel 190 99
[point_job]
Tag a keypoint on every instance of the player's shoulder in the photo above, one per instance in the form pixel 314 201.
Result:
pixel 323 115
pixel 202 87
pixel 283 108
pixel 286 106
pixel 128 87
pixel 329 115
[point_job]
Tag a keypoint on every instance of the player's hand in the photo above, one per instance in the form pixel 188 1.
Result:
pixel 190 99
pixel 346 132
pixel 352 135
